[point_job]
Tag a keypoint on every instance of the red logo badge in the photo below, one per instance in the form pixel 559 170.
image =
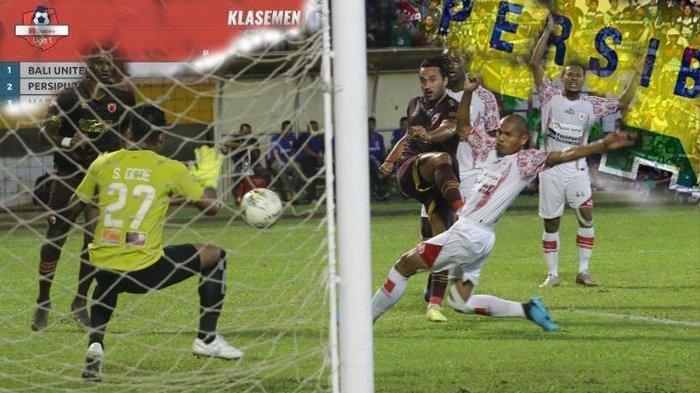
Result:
pixel 111 107
pixel 40 28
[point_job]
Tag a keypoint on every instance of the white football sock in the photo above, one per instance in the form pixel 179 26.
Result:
pixel 388 294
pixel 495 307
pixel 584 241
pixel 550 246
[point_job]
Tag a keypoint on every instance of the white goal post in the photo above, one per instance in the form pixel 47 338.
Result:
pixel 352 167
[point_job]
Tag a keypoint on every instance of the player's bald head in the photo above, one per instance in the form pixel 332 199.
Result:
pixel 516 123
pixel 512 136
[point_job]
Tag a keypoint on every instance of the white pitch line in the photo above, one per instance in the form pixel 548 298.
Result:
pixel 638 318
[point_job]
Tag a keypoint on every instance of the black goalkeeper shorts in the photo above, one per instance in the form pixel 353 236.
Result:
pixel 178 263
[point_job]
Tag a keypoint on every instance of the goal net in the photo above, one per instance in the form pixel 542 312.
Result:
pixel 277 304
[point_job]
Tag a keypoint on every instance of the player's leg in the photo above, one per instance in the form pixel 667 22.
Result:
pixel 56 234
pixel 580 197
pixel 426 255
pixel 86 271
pixel 466 181
pixel 426 232
pixel 551 207
pixel 179 263
pixel 461 298
pixel 441 218
pixel 436 168
pixel 395 285
pixel 212 290
pixel 103 303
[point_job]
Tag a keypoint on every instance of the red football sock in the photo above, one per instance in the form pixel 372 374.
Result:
pixel 438 284
pixel 449 185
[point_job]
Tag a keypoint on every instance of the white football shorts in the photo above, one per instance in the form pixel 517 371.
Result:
pixel 466 245
pixel 556 189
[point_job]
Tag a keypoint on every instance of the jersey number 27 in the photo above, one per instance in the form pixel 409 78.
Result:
pixel 143 191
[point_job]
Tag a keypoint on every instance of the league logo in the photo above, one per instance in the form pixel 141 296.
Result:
pixel 40 28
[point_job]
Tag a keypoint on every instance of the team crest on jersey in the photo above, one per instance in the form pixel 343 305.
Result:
pixel 111 107
pixel 40 28
pixel 435 118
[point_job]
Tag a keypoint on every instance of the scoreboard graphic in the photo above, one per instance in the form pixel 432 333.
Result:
pixel 36 82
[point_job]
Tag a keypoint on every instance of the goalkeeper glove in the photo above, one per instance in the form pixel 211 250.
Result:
pixel 207 167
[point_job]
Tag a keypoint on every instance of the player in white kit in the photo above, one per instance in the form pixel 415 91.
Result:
pixel 484 115
pixel 464 248
pixel 567 115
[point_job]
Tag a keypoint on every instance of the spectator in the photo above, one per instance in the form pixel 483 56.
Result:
pixel 378 23
pixel 401 31
pixel 687 23
pixel 310 146
pixel 245 159
pixel 398 133
pixel 244 149
pixel 280 164
pixel 377 153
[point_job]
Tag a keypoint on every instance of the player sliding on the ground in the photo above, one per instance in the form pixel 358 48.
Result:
pixel 425 156
pixel 566 118
pixel 82 122
pixel 132 189
pixel 464 248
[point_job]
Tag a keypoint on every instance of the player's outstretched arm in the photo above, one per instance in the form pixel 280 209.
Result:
pixel 613 141
pixel 475 137
pixel 535 63
pixel 464 125
pixel 631 90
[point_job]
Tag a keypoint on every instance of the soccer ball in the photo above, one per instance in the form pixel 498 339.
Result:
pixel 41 16
pixel 261 207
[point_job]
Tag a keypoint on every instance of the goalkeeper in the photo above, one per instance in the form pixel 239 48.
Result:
pixel 132 189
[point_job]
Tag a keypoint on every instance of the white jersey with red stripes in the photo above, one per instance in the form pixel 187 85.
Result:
pixel 566 123
pixel 484 115
pixel 500 180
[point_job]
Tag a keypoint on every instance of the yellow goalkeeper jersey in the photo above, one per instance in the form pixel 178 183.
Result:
pixel 132 189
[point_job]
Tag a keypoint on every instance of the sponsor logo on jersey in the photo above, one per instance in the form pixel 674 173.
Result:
pixel 41 28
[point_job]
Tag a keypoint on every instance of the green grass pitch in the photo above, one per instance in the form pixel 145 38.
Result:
pixel 638 332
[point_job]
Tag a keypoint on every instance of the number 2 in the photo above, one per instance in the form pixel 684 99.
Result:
pixel 9 87
pixel 145 191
